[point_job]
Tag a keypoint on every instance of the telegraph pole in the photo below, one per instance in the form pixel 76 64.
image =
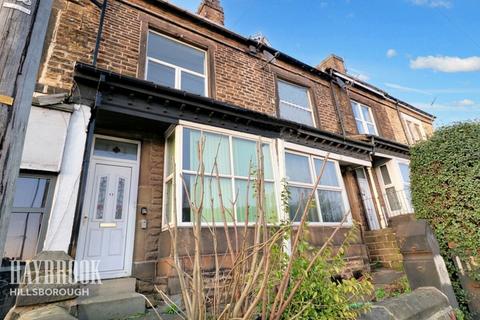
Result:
pixel 23 25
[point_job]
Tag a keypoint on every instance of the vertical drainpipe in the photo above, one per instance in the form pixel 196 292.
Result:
pixel 100 30
pixel 397 107
pixel 336 104
pixel 72 249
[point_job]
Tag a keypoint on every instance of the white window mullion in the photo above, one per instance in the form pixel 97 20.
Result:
pixel 178 183
pixel 232 178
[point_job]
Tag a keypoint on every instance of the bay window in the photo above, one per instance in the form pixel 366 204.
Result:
pixel 175 64
pixel 230 161
pixel 330 203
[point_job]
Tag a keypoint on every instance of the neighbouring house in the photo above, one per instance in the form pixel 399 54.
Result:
pixel 107 144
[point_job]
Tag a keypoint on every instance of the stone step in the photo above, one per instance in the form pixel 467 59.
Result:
pixel 111 287
pixel 50 312
pixel 115 306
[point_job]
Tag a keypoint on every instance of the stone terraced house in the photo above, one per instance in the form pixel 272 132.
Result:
pixel 111 134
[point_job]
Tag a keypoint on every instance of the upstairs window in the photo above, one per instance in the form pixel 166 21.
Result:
pixel 175 64
pixel 364 119
pixel 414 129
pixel 294 103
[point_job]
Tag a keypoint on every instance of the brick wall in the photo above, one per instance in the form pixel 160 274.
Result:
pixel 383 248
pixel 236 75
pixel 150 193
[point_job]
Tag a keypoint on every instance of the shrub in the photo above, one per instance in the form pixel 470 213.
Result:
pixel 445 174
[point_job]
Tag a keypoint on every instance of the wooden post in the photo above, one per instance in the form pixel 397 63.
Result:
pixel 22 32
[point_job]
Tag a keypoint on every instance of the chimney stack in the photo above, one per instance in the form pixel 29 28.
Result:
pixel 332 62
pixel 212 10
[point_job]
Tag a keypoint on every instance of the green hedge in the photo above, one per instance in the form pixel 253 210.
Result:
pixel 445 174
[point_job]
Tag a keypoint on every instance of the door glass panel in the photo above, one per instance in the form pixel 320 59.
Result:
pixel 393 200
pixel 360 173
pixel 297 168
pixel 30 192
pixel 115 149
pixel 102 193
pixel 120 196
pixel 405 171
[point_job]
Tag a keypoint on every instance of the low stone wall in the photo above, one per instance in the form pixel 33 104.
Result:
pixel 422 304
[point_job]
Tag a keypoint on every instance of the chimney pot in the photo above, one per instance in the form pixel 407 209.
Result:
pixel 212 10
pixel 332 62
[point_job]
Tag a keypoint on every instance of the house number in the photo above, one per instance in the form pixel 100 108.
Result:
pixel 19 7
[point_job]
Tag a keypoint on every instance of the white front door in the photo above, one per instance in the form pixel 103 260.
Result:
pixel 367 199
pixel 106 231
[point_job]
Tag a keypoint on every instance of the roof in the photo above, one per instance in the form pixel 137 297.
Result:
pixel 280 55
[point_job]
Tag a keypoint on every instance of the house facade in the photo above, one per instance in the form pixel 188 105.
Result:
pixel 111 147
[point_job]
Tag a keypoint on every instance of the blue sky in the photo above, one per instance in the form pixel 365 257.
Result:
pixel 425 52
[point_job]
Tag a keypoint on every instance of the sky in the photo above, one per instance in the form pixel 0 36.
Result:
pixel 425 52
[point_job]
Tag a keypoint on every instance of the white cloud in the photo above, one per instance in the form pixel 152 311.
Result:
pixel 446 64
pixel 391 53
pixel 406 89
pixel 433 3
pixel 360 75
pixel 465 103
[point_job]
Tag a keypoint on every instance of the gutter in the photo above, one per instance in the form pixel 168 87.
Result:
pixel 383 94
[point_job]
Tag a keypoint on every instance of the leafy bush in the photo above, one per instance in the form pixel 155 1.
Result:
pixel 445 174
pixel 323 294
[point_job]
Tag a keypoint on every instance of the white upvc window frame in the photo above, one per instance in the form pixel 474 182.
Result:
pixel 393 167
pixel 312 154
pixel 179 70
pixel 364 122
pixel 411 136
pixel 177 176
pixel 294 105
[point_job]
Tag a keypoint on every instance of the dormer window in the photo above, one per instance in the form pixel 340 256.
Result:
pixel 175 64
pixel 294 103
pixel 364 119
